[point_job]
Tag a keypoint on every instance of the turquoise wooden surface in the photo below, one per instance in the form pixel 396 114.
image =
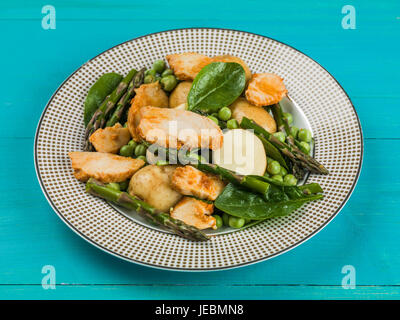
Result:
pixel 365 234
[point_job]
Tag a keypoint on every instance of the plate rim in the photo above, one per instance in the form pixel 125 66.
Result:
pixel 155 266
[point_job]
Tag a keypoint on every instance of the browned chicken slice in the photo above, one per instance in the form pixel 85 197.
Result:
pixel 265 89
pixel 195 213
pixel 175 128
pixel 105 167
pixel 190 181
pixel 187 65
pixel 110 139
pixel 146 95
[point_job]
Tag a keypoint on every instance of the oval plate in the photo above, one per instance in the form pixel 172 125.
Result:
pixel 333 119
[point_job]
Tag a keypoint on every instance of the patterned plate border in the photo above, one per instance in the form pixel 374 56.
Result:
pixel 157 266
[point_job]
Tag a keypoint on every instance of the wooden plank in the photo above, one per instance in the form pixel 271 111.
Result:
pixel 214 292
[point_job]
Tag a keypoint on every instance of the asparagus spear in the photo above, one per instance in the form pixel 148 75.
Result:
pixel 99 117
pixel 248 182
pixel 181 156
pixel 124 101
pixel 281 122
pixel 299 158
pixel 125 200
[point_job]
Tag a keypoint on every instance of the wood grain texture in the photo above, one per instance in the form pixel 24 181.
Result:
pixel 365 234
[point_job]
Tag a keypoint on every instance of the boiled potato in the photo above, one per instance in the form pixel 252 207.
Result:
pixel 242 152
pixel 242 108
pixel 153 185
pixel 180 93
pixel 229 58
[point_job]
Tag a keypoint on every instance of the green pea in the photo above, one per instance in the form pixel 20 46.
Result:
pixel 113 186
pixel 277 177
pixel 235 222
pixel 124 185
pixel 167 72
pixel 168 83
pixel 232 124
pixel 159 66
pixel 294 131
pixel 225 219
pixel 149 79
pixel 283 171
pixel 132 143
pixel 142 158
pixel 304 135
pixel 280 136
pixel 218 221
pixel 214 119
pixel 224 114
pixel 162 162
pixel 269 160
pixel 126 151
pixel 140 150
pixel 290 180
pixel 150 72
pixel 305 147
pixel 288 117
pixel 274 167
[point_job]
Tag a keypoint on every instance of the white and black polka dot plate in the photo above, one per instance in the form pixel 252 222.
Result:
pixel 325 104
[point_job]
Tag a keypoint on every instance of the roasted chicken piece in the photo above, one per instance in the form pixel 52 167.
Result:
pixel 229 58
pixel 190 181
pixel 153 185
pixel 195 213
pixel 175 128
pixel 146 95
pixel 105 167
pixel 110 139
pixel 187 65
pixel 180 93
pixel 242 108
pixel 265 89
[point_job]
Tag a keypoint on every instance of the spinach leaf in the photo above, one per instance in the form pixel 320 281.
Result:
pixel 279 201
pixel 98 92
pixel 216 86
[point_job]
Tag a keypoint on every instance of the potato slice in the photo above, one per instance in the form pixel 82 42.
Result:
pixel 242 108
pixel 180 93
pixel 110 139
pixel 242 152
pixel 153 185
pixel 229 58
